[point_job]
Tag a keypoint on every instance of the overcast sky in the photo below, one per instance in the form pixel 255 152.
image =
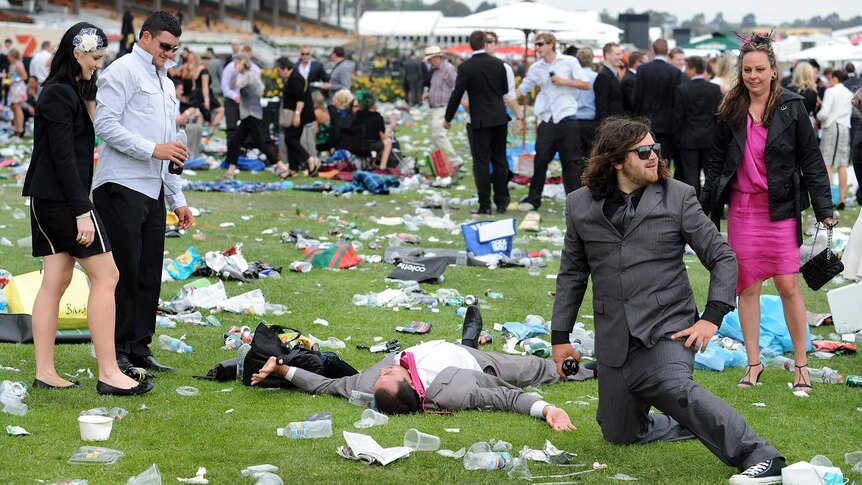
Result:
pixel 766 11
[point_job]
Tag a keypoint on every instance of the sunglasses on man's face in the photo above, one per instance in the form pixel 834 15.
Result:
pixel 303 54
pixel 168 47
pixel 539 44
pixel 644 151
pixel 490 40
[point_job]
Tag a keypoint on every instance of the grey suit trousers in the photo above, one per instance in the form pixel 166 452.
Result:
pixel 661 376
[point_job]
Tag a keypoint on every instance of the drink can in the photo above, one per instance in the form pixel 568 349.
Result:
pixel 854 381
pixel 454 301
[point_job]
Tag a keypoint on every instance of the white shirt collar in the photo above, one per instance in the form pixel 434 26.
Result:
pixel 147 58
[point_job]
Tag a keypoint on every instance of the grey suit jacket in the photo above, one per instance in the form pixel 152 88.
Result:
pixel 495 388
pixel 640 285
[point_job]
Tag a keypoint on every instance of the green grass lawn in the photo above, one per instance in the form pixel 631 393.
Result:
pixel 180 434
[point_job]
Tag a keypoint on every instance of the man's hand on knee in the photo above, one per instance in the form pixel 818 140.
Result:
pixel 698 334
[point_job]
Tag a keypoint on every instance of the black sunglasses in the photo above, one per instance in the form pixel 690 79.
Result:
pixel 539 44
pixel 644 151
pixel 305 54
pixel 490 40
pixel 168 48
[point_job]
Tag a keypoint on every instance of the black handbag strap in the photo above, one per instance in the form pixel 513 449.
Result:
pixel 828 239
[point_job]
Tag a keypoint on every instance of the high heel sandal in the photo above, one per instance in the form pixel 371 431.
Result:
pixel 802 384
pixel 744 383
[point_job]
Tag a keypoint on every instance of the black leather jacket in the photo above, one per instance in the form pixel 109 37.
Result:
pixel 795 169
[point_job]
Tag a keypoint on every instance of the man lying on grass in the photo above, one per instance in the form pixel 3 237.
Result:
pixel 441 376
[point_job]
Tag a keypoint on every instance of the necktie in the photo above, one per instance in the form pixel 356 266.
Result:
pixel 624 215
pixel 409 362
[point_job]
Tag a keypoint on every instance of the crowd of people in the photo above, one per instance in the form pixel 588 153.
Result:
pixel 617 129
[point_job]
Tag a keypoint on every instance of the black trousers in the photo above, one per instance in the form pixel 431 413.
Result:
pixel 231 117
pixel 250 126
pixel 552 138
pixel 690 163
pixel 297 155
pixel 586 133
pixel 668 151
pixel 489 150
pixel 135 225
pixel 856 153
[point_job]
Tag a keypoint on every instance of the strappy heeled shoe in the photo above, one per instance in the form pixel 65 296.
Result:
pixel 745 383
pixel 802 384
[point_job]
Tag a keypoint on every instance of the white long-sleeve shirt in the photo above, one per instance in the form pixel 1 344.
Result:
pixel 554 100
pixel 136 108
pixel 837 107
pixel 227 75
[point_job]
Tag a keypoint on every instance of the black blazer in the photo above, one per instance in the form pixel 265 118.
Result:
pixel 316 72
pixel 609 95
pixel 795 169
pixel 483 77
pixel 61 166
pixel 296 90
pixel 656 86
pixel 628 86
pixel 694 114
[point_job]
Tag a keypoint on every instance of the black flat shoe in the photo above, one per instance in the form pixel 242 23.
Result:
pixel 37 384
pixel 149 362
pixel 109 390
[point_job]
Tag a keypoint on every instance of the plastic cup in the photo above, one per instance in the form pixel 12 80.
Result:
pixel 375 417
pixel 420 441
pixel 95 428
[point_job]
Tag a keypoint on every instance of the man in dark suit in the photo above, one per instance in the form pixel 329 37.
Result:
pixel 311 70
pixel 695 105
pixel 414 78
pixel 483 78
pixel 654 92
pixel 609 93
pixel 630 80
pixel 626 231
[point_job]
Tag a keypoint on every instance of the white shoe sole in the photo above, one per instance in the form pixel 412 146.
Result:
pixel 734 480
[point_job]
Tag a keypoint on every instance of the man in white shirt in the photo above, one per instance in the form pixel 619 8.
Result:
pixel 136 121
pixel 40 65
pixel 441 376
pixel 559 77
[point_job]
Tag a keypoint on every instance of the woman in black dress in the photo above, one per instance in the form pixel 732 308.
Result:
pixel 64 224
pixel 296 97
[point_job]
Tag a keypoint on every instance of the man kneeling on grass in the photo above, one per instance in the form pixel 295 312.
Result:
pixel 441 376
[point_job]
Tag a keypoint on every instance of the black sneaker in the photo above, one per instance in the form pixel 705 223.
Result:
pixel 768 471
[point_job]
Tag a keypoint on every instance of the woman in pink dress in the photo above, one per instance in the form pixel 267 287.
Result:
pixel 765 165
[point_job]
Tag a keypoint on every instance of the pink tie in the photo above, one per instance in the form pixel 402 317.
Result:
pixel 409 362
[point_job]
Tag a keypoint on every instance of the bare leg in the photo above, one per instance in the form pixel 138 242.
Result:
pixel 384 155
pixel 101 312
pixel 46 307
pixel 749 320
pixel 215 119
pixel 794 315
pixel 18 118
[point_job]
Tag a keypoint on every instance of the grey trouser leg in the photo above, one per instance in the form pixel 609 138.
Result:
pixel 662 377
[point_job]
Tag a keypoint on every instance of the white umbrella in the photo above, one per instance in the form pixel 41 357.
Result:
pixel 830 53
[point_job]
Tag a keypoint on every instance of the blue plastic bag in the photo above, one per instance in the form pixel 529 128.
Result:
pixel 774 335
pixel 185 264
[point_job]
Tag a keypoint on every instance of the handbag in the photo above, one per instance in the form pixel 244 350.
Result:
pixel 820 269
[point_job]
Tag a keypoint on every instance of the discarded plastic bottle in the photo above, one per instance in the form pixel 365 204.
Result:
pixel 537 347
pixel 275 309
pixel 494 460
pixel 854 381
pixel 362 399
pixel 306 430
pixel 453 301
pixel 825 375
pixel 240 363
pixel 174 344
pixel 165 322
pixel 461 311
pixel 195 317
pixel 530 262
pixel 300 266
pixel 493 295
pixel 783 362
